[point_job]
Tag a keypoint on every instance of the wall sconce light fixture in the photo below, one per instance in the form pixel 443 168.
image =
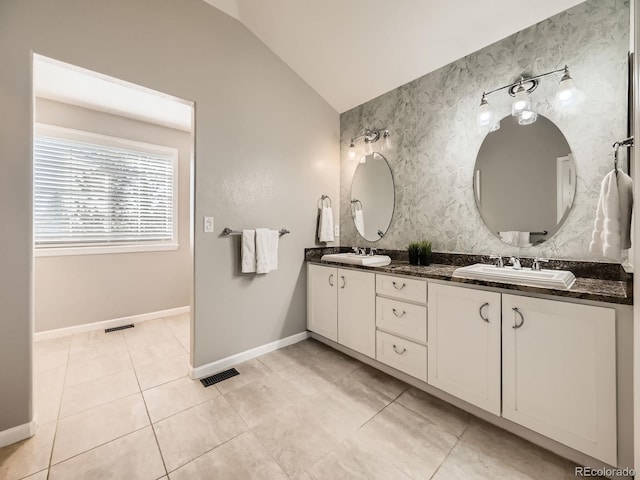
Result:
pixel 369 137
pixel 521 106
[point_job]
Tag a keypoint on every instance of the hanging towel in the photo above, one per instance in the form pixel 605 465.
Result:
pixel 266 250
pixel 511 237
pixel 612 226
pixel 358 219
pixel 325 226
pixel 248 251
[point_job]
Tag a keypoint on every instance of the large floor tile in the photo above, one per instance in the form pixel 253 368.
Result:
pixel 174 397
pixel 147 333
pixel 491 442
pixel 378 381
pixel 103 390
pixel 163 371
pixel 156 352
pixel 28 456
pixel 53 344
pixel 133 457
pixel 262 398
pixel 191 433
pixel 91 428
pixel 102 366
pixel 250 371
pixel 47 393
pixel 285 357
pixel 313 347
pixel 406 440
pixel 180 325
pixel 333 365
pixel 102 346
pixel 435 410
pixel 38 476
pixel 354 461
pixel 243 458
pixel 295 440
pixel 50 360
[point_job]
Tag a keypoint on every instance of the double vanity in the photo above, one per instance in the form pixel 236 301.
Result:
pixel 542 354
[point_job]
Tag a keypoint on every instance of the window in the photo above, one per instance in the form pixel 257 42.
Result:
pixel 92 191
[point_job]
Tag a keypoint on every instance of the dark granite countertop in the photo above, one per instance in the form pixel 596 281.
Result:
pixel 600 282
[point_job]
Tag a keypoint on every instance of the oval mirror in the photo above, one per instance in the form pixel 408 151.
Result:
pixel 524 181
pixel 372 197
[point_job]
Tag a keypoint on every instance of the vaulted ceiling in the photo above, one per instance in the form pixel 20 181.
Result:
pixel 351 51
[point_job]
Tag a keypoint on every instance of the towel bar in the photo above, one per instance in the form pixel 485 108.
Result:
pixel 228 231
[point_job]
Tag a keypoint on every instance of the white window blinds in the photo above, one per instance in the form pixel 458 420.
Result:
pixel 97 194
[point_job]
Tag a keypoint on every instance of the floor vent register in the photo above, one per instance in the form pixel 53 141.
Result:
pixel 218 377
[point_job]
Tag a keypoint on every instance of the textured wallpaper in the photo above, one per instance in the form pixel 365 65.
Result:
pixel 436 140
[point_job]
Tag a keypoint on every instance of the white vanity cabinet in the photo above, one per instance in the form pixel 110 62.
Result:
pixel 559 372
pixel 341 306
pixel 464 344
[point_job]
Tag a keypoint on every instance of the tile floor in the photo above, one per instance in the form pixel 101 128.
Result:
pixel 120 406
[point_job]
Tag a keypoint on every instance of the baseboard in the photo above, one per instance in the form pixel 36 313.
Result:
pixel 223 364
pixel 21 432
pixel 115 322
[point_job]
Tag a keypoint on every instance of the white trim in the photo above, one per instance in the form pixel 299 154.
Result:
pixel 115 322
pixel 223 364
pixel 21 432
pixel 104 249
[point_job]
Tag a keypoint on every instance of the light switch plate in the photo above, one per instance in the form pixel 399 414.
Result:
pixel 208 224
pixel 336 230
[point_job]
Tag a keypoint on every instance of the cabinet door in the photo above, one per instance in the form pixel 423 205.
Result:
pixel 559 372
pixel 464 344
pixel 322 301
pixel 357 311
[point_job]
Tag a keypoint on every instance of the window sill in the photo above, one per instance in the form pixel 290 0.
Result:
pixel 102 249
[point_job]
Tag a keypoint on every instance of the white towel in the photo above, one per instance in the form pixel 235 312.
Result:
pixel 325 226
pixel 266 250
pixel 248 251
pixel 523 239
pixel 358 219
pixel 511 237
pixel 612 226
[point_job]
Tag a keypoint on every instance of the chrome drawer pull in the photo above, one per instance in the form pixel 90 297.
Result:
pixel 486 319
pixel 399 315
pixel 521 316
pixel 344 282
pixel 395 285
pixel 331 278
pixel 395 349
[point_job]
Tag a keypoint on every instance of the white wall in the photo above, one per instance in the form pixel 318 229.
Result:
pixel 266 148
pixel 78 289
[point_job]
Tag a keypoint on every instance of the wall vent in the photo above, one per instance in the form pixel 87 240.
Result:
pixel 115 329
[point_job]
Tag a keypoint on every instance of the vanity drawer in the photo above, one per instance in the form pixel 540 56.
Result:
pixel 403 355
pixel 402 288
pixel 402 318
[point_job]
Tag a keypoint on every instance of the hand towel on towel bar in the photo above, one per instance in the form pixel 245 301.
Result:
pixel 248 251
pixel 612 226
pixel 358 219
pixel 325 227
pixel 266 250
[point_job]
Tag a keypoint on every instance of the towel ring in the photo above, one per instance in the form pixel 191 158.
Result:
pixel 322 199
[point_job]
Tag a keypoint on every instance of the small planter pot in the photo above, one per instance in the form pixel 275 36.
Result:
pixel 425 259
pixel 414 258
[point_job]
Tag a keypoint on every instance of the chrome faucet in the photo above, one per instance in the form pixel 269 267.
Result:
pixel 372 251
pixel 515 261
pixel 536 263
pixel 359 250
pixel 498 259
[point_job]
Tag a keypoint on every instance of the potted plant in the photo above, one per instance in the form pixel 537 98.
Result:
pixel 414 253
pixel 425 252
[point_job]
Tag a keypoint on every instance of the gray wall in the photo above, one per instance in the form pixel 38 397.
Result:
pixel 433 126
pixel 266 148
pixel 77 289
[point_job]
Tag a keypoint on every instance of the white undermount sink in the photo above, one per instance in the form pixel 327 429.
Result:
pixel 354 259
pixel 558 279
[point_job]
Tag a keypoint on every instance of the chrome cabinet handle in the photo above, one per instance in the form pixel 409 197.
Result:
pixel 399 315
pixel 344 282
pixel 395 349
pixel 518 325
pixel 395 285
pixel 331 278
pixel 486 319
